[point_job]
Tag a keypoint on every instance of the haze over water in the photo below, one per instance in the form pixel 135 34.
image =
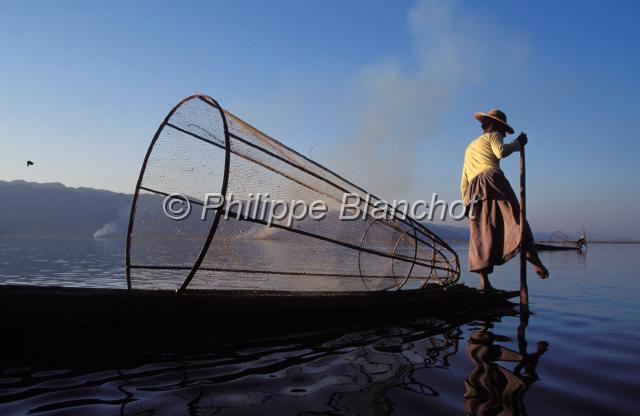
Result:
pixel 581 341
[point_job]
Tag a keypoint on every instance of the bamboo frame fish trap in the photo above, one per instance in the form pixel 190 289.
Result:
pixel 201 148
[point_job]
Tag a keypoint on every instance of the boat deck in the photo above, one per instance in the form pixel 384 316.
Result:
pixel 80 308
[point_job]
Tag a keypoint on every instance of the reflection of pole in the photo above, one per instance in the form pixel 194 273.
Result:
pixel 524 290
pixel 522 328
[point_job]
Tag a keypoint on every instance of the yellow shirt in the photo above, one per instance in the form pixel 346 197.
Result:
pixel 482 154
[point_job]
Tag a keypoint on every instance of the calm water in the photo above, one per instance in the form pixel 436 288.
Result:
pixel 580 357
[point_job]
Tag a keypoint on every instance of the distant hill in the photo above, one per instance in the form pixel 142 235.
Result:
pixel 31 209
pixel 449 232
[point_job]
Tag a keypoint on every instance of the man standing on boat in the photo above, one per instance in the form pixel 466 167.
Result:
pixel 494 220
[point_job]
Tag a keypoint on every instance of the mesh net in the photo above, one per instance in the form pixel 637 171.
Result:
pixel 202 149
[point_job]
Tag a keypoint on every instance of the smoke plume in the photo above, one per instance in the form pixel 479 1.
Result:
pixel 397 107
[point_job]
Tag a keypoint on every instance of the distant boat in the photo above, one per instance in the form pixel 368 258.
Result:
pixel 560 241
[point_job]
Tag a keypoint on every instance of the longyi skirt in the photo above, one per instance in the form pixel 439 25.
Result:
pixel 494 223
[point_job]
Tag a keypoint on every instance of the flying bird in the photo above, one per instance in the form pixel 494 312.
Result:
pixel 29 163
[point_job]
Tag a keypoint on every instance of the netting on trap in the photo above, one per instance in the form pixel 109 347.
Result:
pixel 202 149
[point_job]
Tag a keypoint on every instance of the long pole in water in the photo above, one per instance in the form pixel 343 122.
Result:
pixel 524 290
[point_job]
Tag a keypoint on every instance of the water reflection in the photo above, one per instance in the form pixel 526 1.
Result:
pixel 393 366
pixel 345 371
pixel 491 388
pixel 376 371
pixel 342 373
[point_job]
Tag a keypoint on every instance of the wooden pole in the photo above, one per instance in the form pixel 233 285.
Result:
pixel 524 290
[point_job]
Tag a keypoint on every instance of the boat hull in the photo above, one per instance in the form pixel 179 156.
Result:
pixel 551 247
pixel 126 312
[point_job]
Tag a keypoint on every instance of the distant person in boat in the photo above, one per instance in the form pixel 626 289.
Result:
pixel 582 241
pixel 494 220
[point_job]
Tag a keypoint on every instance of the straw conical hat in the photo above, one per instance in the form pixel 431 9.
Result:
pixel 496 115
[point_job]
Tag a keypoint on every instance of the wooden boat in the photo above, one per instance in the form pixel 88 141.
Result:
pixel 559 241
pixel 83 312
pixel 192 277
pixel 554 247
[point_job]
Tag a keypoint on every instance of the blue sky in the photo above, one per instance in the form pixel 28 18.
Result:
pixel 381 91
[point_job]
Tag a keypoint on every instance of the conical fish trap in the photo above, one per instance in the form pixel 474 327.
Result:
pixel 202 149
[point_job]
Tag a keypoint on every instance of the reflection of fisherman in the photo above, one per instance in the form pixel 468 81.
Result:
pixel 492 389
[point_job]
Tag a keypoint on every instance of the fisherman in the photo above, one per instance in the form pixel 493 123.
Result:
pixel 494 220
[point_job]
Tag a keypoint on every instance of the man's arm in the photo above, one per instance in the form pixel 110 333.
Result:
pixel 511 147
pixel 503 150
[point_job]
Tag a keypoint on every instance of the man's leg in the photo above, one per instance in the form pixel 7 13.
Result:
pixel 484 282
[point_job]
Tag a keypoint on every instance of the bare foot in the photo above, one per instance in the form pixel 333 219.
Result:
pixel 488 289
pixel 541 271
pixel 538 267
